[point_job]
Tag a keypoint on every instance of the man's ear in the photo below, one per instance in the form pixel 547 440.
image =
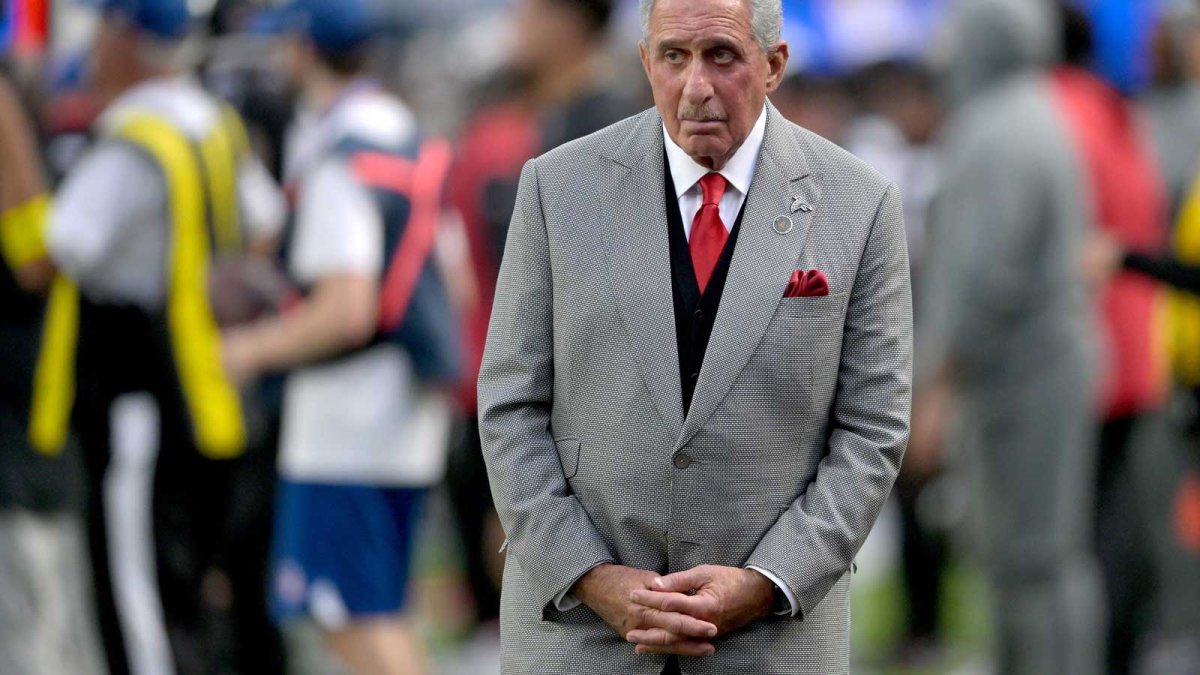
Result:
pixel 777 63
pixel 644 53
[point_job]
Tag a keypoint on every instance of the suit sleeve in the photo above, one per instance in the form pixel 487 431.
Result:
pixel 814 542
pixel 548 531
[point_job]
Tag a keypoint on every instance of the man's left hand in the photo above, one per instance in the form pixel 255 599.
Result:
pixel 727 597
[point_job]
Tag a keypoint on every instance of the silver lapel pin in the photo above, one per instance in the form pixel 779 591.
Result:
pixel 798 204
pixel 783 225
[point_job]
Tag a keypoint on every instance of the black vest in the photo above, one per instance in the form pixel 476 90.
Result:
pixel 694 313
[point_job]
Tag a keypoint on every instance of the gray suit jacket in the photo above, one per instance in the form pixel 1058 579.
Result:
pixel 796 430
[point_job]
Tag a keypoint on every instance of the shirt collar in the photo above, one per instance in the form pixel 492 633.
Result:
pixel 154 90
pixel 739 170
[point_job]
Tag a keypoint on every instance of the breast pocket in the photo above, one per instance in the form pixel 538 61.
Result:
pixel 802 346
pixel 812 306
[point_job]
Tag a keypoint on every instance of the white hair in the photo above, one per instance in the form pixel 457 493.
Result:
pixel 766 21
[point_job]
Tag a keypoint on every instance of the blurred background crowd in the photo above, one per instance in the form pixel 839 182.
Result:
pixel 1049 157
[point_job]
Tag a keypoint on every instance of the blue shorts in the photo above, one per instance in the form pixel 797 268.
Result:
pixel 342 552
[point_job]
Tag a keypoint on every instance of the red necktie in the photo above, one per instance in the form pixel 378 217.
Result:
pixel 708 232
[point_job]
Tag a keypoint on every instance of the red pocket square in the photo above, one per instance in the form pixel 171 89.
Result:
pixel 808 284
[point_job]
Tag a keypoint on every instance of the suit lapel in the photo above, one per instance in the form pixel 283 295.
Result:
pixel 763 261
pixel 638 251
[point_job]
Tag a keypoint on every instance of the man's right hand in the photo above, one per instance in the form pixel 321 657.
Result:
pixel 607 590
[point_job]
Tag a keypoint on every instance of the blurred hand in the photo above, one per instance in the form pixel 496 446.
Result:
pixel 609 590
pixel 36 276
pixel 1101 258
pixel 932 412
pixel 239 357
pixel 725 597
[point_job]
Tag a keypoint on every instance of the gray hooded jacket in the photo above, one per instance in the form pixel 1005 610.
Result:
pixel 1007 306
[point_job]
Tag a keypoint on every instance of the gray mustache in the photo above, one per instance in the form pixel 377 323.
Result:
pixel 700 115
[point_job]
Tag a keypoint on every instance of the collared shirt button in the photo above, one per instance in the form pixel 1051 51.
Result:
pixel 682 461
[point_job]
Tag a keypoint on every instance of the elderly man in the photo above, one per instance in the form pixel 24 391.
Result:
pixel 695 393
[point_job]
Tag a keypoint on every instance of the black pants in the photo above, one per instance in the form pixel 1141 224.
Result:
pixel 924 556
pixel 471 498
pixel 1122 547
pixel 252 638
pixel 122 353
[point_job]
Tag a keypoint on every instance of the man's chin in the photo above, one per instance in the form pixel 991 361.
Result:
pixel 706 147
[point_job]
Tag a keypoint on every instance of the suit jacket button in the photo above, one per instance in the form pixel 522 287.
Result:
pixel 682 461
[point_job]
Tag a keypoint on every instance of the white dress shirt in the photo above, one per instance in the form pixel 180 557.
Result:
pixel 738 171
pixel 686 174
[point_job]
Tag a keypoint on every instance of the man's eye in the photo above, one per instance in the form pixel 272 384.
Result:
pixel 723 56
pixel 673 57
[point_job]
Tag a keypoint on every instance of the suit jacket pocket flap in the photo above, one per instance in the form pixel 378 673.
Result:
pixel 812 305
pixel 568 455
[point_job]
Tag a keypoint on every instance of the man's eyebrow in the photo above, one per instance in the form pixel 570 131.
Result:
pixel 721 43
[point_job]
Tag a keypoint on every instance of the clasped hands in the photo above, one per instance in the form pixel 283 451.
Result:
pixel 679 613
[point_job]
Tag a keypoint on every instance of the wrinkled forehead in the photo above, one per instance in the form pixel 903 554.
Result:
pixel 700 23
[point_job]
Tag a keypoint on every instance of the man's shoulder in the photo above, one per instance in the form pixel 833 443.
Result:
pixel 1016 121
pixel 822 157
pixel 373 118
pixel 181 102
pixel 831 162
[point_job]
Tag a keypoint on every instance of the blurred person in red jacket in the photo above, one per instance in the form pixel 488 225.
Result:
pixel 557 88
pixel 1129 203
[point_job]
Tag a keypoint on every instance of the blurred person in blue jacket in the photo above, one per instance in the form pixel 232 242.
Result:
pixel 1010 330
pixel 371 352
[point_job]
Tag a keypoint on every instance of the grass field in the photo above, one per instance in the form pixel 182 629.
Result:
pixel 878 611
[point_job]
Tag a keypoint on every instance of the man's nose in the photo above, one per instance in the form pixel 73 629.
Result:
pixel 697 88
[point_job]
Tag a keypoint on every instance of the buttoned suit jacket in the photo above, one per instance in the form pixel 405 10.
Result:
pixel 797 426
